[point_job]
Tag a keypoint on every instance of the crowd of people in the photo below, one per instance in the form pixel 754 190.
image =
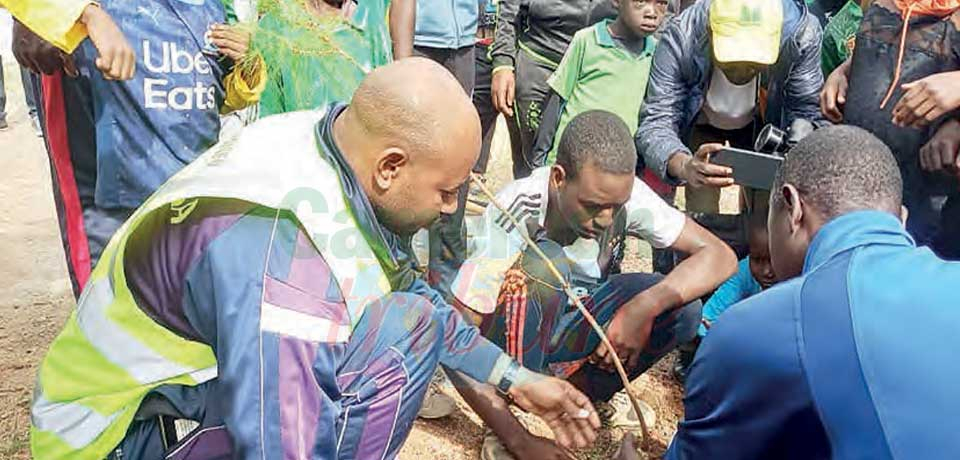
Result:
pixel 239 184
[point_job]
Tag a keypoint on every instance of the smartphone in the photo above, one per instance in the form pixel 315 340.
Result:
pixel 752 169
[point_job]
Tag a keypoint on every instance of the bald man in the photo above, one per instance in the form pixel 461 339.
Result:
pixel 264 294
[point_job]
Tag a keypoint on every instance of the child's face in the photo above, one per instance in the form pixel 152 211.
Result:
pixel 641 17
pixel 760 266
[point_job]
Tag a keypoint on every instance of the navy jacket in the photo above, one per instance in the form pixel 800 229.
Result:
pixel 681 73
pixel 854 359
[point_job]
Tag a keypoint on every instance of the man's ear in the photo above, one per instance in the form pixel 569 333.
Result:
pixel 388 166
pixel 558 175
pixel 904 214
pixel 792 204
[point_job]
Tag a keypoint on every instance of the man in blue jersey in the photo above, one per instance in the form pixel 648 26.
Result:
pixel 149 127
pixel 849 359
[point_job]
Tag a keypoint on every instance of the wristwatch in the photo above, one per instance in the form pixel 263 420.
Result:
pixel 503 387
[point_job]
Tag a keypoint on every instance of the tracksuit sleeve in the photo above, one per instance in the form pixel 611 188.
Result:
pixel 504 48
pixel 464 349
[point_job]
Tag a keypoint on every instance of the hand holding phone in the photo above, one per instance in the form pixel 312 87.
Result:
pixel 752 169
pixel 698 171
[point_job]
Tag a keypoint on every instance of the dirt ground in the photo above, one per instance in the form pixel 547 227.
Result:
pixel 35 300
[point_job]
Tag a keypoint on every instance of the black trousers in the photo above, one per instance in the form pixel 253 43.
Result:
pixel 531 94
pixel 483 101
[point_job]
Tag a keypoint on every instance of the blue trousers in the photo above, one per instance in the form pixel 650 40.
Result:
pixel 381 382
pixel 554 331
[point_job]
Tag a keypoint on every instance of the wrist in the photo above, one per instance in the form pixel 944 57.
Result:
pixel 516 440
pixel 502 60
pixel 846 66
pixel 677 165
pixel 89 13
pixel 650 303
pixel 520 378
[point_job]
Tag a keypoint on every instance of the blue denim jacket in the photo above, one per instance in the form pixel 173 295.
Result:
pixel 681 72
pixel 448 24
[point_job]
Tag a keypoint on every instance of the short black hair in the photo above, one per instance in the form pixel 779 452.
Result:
pixel 840 169
pixel 598 137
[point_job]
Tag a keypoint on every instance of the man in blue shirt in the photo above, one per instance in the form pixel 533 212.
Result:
pixel 849 359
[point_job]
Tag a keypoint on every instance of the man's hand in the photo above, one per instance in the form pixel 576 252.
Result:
pixel 565 410
pixel 927 99
pixel 698 172
pixel 534 447
pixel 232 41
pixel 628 448
pixel 628 332
pixel 941 152
pixel 39 55
pixel 502 89
pixel 834 93
pixel 116 58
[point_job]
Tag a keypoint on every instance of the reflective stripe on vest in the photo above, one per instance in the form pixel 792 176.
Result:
pixel 111 354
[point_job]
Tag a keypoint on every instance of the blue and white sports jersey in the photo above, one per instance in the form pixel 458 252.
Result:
pixel 149 127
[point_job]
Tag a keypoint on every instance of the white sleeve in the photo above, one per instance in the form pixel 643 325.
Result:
pixel 651 218
pixel 493 251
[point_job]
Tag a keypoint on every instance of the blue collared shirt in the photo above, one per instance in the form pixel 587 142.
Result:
pixel 852 359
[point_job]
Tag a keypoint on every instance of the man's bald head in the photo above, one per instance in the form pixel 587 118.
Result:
pixel 411 135
pixel 415 103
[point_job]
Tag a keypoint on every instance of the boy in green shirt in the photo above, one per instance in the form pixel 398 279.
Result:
pixel 605 68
